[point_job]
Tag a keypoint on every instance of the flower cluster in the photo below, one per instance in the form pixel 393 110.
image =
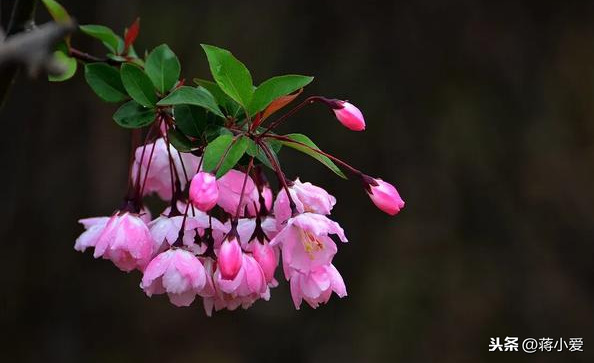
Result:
pixel 222 231
pixel 223 238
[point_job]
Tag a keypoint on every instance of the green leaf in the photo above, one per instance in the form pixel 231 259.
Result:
pixel 162 67
pixel 111 40
pixel 191 120
pixel 227 148
pixel 57 11
pixel 132 115
pixel 256 151
pixel 179 140
pixel 274 88
pixel 105 81
pixel 230 74
pixel 213 131
pixel 192 96
pixel 307 141
pixel 138 85
pixel 221 97
pixel 69 64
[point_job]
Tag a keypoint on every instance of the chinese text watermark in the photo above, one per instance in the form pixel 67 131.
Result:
pixel 532 345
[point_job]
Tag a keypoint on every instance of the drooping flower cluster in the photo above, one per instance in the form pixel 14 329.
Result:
pixel 228 257
pixel 222 232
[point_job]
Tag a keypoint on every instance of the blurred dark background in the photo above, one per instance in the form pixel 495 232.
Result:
pixel 480 112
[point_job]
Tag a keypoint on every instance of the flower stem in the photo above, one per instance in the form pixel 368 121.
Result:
pixel 279 174
pixel 247 175
pixel 216 169
pixel 329 156
pixel 307 101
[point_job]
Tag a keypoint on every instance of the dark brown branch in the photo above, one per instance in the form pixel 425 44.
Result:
pixel 89 58
pixel 33 49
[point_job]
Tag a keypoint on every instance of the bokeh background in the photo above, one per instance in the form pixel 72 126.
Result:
pixel 480 112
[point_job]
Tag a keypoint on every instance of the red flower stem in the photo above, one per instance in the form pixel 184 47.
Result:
pixel 134 141
pixel 172 170
pixel 180 236
pixel 148 166
pixel 183 167
pixel 307 101
pixel 247 175
pixel 216 169
pixel 279 174
pixel 137 195
pixel 329 156
pixel 189 203
pixel 260 180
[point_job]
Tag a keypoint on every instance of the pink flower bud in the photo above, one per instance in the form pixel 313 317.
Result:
pixel 266 258
pixel 230 258
pixel 204 192
pixel 255 280
pixel 385 197
pixel 350 116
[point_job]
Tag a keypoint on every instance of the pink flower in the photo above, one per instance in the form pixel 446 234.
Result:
pixel 350 116
pixel 316 286
pixel 159 174
pixel 307 198
pixel 255 279
pixel 209 268
pixel 145 215
pixel 385 196
pixel 204 191
pixel 249 280
pixel 305 242
pixel 246 228
pixel 93 229
pixel 176 272
pixel 230 258
pixel 165 231
pixel 230 186
pixel 248 286
pixel 266 258
pixel 126 241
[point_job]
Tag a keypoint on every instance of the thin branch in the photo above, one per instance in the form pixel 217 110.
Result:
pixel 329 156
pixel 89 58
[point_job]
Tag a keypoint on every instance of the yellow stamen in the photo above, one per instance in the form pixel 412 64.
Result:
pixel 310 243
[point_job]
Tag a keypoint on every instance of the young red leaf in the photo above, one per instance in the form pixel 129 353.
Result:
pixel 280 103
pixel 256 121
pixel 131 34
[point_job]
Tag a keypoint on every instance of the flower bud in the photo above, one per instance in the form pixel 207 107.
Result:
pixel 266 258
pixel 204 192
pixel 230 258
pixel 349 116
pixel 255 280
pixel 385 196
